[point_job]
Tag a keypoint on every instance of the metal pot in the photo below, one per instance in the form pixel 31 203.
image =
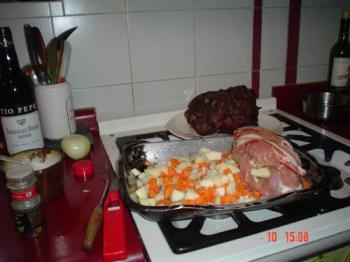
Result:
pixel 326 106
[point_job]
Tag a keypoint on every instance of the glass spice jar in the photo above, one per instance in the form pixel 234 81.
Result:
pixel 26 203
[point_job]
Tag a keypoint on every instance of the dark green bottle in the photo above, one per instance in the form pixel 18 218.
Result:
pixel 339 60
pixel 19 116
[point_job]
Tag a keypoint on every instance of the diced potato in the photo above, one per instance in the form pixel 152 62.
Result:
pixel 220 191
pixel 231 188
pixel 234 169
pixel 142 192
pixel 206 182
pixel 220 180
pixel 223 166
pixel 199 160
pixel 147 202
pixel 203 150
pixel 217 180
pixel 135 172
pixel 191 195
pixel 260 172
pixel 177 195
pixel 153 171
pixel 139 183
pixel 230 178
pixel 146 177
pixel 182 166
pixel 194 176
pixel 182 158
pixel 225 179
pixel 213 155
pixel 141 176
pixel 158 197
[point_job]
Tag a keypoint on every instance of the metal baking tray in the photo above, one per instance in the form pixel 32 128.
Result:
pixel 134 156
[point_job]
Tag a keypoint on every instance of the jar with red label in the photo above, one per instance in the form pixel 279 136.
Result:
pixel 25 202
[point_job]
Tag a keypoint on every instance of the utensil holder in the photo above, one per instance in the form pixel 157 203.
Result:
pixel 55 106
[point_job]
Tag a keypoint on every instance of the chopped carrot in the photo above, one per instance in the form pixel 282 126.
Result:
pixel 228 199
pixel 174 162
pixel 153 191
pixel 168 189
pixel 182 185
pixel 171 171
pixel 191 182
pixel 189 202
pixel 256 194
pixel 207 193
pixel 203 165
pixel 152 182
pixel 227 171
pixel 200 201
pixel 166 179
pixel 185 172
pixel 237 178
pixel 176 177
pixel 306 184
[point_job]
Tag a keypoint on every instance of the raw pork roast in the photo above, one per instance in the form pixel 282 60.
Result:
pixel 223 110
pixel 267 161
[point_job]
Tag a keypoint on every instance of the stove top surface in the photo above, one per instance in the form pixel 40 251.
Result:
pixel 198 233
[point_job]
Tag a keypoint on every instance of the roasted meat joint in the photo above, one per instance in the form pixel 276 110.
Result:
pixel 222 111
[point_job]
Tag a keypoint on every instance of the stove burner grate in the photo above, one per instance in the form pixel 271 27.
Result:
pixel 190 238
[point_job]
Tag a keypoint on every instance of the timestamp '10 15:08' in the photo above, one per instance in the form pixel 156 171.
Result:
pixel 289 236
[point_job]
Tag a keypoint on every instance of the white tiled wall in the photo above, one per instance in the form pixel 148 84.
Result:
pixel 133 57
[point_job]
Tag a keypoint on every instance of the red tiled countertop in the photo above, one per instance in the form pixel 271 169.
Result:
pixel 66 217
pixel 289 100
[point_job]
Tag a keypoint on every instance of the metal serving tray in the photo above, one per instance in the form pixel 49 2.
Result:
pixel 134 156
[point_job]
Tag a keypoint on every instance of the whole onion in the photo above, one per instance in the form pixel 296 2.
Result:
pixel 76 146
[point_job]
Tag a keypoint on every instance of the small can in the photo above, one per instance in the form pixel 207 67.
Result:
pixel 25 202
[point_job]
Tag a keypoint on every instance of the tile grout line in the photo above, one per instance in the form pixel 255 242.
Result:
pixel 194 50
pixel 51 19
pixel 193 77
pixel 130 60
pixel 293 41
pixel 256 46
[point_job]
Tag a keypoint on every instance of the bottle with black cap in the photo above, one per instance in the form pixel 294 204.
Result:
pixel 18 110
pixel 339 60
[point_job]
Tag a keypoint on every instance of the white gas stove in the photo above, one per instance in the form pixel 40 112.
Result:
pixel 288 234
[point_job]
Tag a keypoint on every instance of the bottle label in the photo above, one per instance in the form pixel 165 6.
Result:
pixel 23 195
pixel 341 71
pixel 18 110
pixel 22 131
pixel 30 222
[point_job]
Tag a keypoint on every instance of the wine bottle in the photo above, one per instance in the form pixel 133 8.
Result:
pixel 18 111
pixel 339 61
